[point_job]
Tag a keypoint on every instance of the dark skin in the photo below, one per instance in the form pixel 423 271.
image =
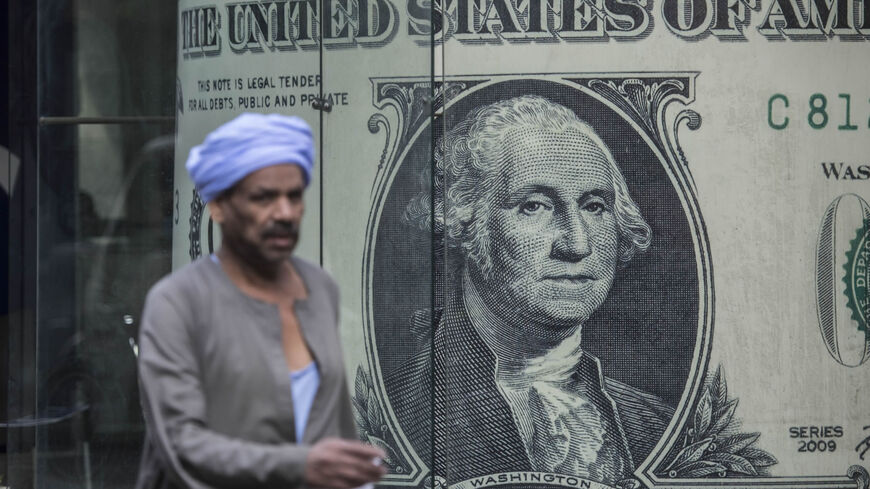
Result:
pixel 260 218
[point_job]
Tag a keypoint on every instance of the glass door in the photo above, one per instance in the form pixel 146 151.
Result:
pixel 92 206
pixel 381 233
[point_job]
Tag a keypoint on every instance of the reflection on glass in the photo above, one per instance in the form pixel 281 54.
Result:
pixel 104 201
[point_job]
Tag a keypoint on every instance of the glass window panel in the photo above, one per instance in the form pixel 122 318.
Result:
pixel 378 241
pixel 104 240
pixel 102 190
pixel 106 58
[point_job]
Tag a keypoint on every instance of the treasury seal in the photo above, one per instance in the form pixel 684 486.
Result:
pixel 857 257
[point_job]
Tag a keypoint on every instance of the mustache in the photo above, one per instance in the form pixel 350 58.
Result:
pixel 281 229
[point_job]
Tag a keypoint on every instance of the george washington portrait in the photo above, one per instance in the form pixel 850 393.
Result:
pixel 534 223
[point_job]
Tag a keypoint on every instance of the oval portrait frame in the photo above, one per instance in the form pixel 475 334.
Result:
pixel 668 290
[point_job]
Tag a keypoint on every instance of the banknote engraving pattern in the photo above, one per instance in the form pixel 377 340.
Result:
pixel 196 210
pixel 639 98
pixel 486 431
pixel 841 281
pixel 864 446
pixel 785 117
pixel 370 421
pixel 859 475
pixel 412 104
pixel 855 277
pixel 713 445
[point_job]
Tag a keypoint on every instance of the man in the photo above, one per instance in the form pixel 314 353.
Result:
pixel 241 373
pixel 537 218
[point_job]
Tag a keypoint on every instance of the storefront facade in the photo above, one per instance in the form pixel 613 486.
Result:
pixel 738 129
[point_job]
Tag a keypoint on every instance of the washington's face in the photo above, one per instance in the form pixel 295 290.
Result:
pixel 552 229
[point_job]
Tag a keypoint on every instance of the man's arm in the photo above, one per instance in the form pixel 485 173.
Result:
pixel 175 409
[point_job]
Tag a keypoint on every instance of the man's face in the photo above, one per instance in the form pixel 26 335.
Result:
pixel 261 214
pixel 553 238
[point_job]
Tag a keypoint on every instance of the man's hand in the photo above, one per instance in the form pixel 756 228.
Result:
pixel 343 464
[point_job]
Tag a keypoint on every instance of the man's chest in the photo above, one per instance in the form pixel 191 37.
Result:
pixel 241 346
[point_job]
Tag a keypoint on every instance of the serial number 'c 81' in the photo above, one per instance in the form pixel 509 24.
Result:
pixel 820 112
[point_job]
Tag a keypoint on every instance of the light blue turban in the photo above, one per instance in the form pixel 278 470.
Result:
pixel 246 144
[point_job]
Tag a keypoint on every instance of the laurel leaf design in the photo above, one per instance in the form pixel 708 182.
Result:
pixel 371 423
pixel 736 443
pixel 701 468
pixel 712 445
pixel 703 413
pixel 361 385
pixel 691 453
pixel 734 463
pixel 721 387
pixel 361 421
pixel 390 458
pixel 376 419
pixel 723 417
pixel 758 457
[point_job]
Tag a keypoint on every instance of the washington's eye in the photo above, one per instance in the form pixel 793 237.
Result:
pixel 532 207
pixel 596 206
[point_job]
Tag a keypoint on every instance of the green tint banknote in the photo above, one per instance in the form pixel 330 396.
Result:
pixel 580 243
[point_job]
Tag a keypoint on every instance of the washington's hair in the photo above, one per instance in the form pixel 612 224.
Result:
pixel 469 160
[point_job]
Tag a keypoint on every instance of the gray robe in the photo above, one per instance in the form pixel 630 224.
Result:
pixel 215 389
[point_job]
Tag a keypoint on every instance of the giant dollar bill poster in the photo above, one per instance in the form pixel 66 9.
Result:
pixel 581 243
